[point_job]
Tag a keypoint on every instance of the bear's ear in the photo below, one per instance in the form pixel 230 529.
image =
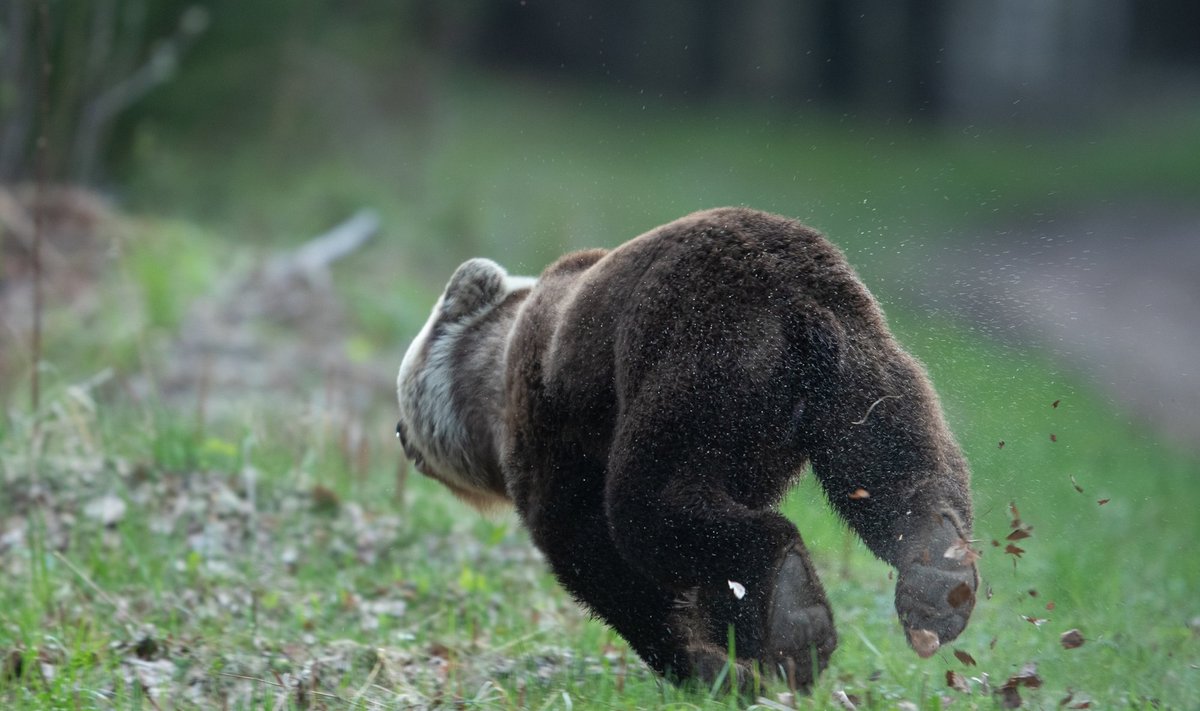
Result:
pixel 476 285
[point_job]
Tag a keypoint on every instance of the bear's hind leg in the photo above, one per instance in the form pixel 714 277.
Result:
pixel 578 545
pixel 674 523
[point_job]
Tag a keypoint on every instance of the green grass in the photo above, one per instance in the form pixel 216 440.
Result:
pixel 259 561
pixel 227 593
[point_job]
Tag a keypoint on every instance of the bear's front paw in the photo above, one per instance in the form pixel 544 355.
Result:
pixel 800 632
pixel 935 591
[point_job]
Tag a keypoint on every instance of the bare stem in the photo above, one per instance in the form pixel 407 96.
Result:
pixel 43 40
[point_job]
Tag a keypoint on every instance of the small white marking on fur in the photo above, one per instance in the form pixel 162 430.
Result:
pixel 516 283
pixel 739 590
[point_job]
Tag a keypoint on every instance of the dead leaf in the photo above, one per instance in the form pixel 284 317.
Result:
pixel 1001 444
pixel 988 594
pixel 957 681
pixel 1050 605
pixel 965 658
pixel 1055 403
pixel 1018 534
pixel 107 509
pixel 960 595
pixel 843 701
pixel 1014 550
pixel 859 494
pixel 1032 592
pixel 1035 621
pixel 325 500
pixel 1076 484
pixel 1102 502
pixel 1027 677
pixel 1053 438
pixel 14 664
pixel 1016 515
pixel 1009 698
pixel 962 552
pixel 1071 639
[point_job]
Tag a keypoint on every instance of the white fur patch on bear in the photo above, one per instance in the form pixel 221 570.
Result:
pixel 428 372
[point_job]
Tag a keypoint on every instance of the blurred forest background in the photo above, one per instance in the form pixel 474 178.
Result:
pixel 223 220
pixel 515 128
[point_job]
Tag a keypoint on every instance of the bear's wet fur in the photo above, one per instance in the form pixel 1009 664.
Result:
pixel 645 409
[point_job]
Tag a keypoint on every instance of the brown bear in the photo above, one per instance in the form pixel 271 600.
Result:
pixel 645 409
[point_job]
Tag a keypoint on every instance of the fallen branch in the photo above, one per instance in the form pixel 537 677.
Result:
pixel 318 253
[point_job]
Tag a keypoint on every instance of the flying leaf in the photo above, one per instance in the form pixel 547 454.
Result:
pixel 1001 444
pixel 1027 677
pixel 1071 639
pixel 957 681
pixel 1009 698
pixel 1016 515
pixel 1035 621
pixel 964 657
pixel 1101 502
pixel 859 494
pixel 962 552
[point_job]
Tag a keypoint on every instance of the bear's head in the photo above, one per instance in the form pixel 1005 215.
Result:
pixel 444 425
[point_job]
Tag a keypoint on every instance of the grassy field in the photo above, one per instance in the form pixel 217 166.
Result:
pixel 154 559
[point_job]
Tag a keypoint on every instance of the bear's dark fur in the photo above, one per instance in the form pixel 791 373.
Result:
pixel 646 408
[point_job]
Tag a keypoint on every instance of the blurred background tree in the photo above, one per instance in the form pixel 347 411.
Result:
pixel 104 57
pixel 1025 62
